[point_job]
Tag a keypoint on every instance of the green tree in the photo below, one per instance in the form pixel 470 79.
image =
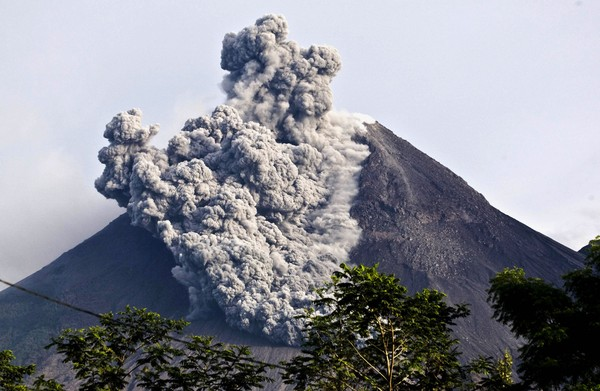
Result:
pixel 137 347
pixel 105 356
pixel 12 377
pixel 202 365
pixel 489 374
pixel 560 326
pixel 365 332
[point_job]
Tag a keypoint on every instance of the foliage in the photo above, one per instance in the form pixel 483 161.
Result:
pixel 138 347
pixel 561 326
pixel 105 356
pixel 365 332
pixel 490 374
pixel 202 365
pixel 12 377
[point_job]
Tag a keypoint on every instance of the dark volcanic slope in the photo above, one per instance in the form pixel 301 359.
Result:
pixel 120 265
pixel 426 225
pixel 420 221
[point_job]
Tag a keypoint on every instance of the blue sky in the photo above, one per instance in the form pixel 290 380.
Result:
pixel 504 93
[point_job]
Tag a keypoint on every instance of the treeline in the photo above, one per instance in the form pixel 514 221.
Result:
pixel 363 332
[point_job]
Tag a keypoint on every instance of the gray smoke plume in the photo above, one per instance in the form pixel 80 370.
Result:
pixel 254 200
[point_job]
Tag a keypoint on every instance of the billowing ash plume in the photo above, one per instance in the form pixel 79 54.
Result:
pixel 254 200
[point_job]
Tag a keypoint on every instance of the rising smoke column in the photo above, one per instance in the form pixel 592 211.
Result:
pixel 253 200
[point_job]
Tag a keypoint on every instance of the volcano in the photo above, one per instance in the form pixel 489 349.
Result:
pixel 420 222
pixel 249 209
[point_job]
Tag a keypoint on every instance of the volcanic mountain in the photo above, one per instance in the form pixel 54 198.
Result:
pixel 249 209
pixel 420 221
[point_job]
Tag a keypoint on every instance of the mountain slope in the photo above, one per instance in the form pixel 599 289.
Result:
pixel 119 265
pixel 425 224
pixel 419 220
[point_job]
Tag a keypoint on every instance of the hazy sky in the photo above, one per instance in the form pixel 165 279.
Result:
pixel 504 93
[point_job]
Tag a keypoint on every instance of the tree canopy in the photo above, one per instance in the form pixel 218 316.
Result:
pixel 366 332
pixel 560 325
pixel 139 347
pixel 13 377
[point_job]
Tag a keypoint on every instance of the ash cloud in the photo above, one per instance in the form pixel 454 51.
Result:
pixel 253 200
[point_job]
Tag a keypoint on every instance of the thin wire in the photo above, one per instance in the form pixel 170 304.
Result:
pixel 73 307
pixel 48 298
